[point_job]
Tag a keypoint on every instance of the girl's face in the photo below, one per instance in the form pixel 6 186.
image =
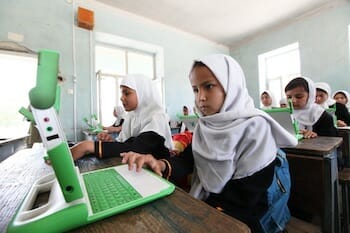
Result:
pixel 321 97
pixel 299 97
pixel 208 92
pixel 128 98
pixel 266 99
pixel 340 98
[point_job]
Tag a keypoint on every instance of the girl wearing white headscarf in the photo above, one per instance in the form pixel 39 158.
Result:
pixel 323 98
pixel 234 147
pixel 120 114
pixel 145 129
pixel 343 97
pixel 149 114
pixel 268 100
pixel 312 118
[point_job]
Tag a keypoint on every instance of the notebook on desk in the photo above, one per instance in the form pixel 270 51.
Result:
pixel 284 117
pixel 67 199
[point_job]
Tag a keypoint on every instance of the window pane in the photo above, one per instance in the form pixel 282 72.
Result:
pixel 282 64
pixel 278 67
pixel 108 100
pixel 17 75
pixel 110 60
pixel 139 63
pixel 275 84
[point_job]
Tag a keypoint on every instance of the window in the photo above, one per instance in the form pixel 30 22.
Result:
pixel 112 64
pixel 277 68
pixel 17 75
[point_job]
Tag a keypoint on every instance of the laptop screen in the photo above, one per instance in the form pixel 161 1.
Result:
pixel 284 117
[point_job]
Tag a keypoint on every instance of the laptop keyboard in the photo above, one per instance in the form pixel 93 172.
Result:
pixel 107 189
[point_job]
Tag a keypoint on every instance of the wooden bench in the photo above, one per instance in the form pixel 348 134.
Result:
pixel 344 182
pixel 296 225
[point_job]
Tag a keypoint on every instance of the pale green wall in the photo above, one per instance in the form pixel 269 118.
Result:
pixel 323 43
pixel 48 24
pixel 323 40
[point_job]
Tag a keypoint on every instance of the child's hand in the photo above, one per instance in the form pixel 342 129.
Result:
pixel 132 159
pixel 341 123
pixel 104 137
pixel 308 133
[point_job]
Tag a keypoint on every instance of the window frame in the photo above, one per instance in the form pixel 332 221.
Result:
pixel 264 80
pixel 115 42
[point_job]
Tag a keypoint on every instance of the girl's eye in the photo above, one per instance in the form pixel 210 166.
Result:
pixel 195 90
pixel 209 86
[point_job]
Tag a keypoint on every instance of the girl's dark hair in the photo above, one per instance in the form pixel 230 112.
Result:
pixel 297 82
pixel 319 89
pixel 342 93
pixel 197 64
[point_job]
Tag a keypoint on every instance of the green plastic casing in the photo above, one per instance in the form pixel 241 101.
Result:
pixel 43 95
pixel 63 166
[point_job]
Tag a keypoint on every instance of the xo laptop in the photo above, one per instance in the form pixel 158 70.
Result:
pixel 190 121
pixel 285 118
pixel 73 198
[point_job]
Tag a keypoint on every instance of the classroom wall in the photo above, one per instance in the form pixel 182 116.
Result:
pixel 48 25
pixel 323 42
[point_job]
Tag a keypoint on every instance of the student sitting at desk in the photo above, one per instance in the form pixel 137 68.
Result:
pixel 323 98
pixel 234 146
pixel 145 128
pixel 119 114
pixel 312 118
pixel 342 97
pixel 185 112
pixel 283 103
pixel 267 100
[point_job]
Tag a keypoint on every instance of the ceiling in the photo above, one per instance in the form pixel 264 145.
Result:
pixel 226 22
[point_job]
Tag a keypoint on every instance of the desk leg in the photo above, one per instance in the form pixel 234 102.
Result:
pixel 331 216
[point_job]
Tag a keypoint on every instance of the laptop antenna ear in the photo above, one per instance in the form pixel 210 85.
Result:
pixel 290 105
pixel 291 110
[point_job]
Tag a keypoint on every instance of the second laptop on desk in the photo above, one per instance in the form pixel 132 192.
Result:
pixel 284 117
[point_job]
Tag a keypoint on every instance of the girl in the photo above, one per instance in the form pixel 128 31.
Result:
pixel 119 114
pixel 312 118
pixel 145 128
pixel 267 100
pixel 323 98
pixel 342 97
pixel 283 103
pixel 234 145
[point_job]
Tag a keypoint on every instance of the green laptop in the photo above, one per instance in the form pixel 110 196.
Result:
pixel 285 118
pixel 190 121
pixel 73 199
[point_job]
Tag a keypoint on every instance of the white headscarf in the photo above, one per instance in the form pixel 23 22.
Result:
pixel 310 114
pixel 149 114
pixel 121 114
pixel 273 100
pixel 239 140
pixel 326 88
pixel 284 100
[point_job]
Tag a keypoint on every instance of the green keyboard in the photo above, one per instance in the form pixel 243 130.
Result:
pixel 108 189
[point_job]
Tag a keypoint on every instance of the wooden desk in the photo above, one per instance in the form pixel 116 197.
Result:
pixel 8 146
pixel 314 175
pixel 178 212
